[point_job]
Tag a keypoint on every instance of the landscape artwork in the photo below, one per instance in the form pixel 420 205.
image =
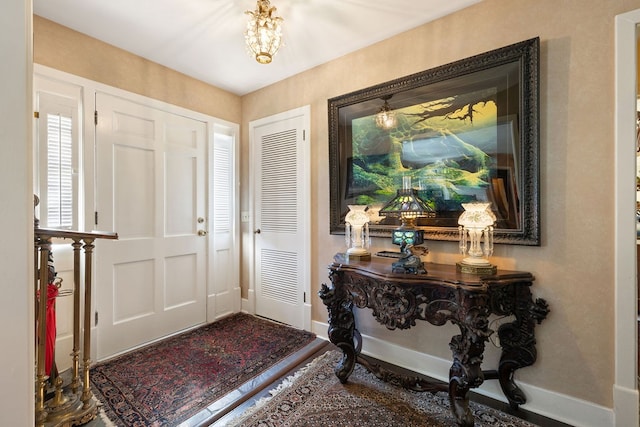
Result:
pixel 463 132
pixel 445 146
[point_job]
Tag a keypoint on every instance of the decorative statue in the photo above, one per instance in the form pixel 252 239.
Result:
pixel 410 261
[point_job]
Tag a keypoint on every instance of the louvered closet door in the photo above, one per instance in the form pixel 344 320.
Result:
pixel 281 220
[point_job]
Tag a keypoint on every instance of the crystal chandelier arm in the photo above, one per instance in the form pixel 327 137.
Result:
pixel 488 241
pixel 366 238
pixel 463 240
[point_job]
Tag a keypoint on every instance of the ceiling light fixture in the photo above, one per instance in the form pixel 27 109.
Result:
pixel 264 33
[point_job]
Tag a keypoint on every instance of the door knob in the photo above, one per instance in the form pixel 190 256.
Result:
pixel 257 231
pixel 202 233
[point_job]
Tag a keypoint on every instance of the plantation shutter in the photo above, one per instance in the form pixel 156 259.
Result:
pixel 59 171
pixel 222 185
pixel 57 167
pixel 224 281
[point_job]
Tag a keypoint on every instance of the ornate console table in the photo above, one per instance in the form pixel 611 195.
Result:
pixel 440 295
pixel 74 403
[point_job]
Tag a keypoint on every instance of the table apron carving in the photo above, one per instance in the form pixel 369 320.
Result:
pixel 444 295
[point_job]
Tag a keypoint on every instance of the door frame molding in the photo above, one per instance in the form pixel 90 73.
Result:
pixel 625 387
pixel 249 305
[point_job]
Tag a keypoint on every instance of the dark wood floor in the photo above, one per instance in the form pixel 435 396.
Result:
pixel 223 411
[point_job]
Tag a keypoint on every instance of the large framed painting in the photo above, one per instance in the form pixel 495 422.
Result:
pixel 465 131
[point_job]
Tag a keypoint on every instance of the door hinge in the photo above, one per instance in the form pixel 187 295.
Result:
pixel 304 297
pixel 36 114
pixel 95 117
pixel 95 320
pixel 304 134
pixel 95 217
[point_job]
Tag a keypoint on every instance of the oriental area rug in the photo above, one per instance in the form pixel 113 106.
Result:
pixel 168 382
pixel 315 397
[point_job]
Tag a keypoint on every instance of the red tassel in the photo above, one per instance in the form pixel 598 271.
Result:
pixel 50 345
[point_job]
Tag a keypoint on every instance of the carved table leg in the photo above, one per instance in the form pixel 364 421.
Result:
pixel 466 372
pixel 518 341
pixel 342 328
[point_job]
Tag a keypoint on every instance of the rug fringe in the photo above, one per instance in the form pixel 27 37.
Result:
pixel 105 419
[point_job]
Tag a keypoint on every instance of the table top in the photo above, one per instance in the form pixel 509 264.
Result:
pixel 381 268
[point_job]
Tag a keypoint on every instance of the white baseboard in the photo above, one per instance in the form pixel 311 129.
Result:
pixel 557 406
pixel 626 398
pixel 307 317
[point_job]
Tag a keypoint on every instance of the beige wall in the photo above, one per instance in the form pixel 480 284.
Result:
pixel 61 48
pixel 574 266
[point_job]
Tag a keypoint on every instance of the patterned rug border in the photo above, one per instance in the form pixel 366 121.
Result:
pixel 266 412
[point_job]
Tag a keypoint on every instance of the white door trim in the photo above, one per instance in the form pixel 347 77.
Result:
pixel 305 182
pixel 625 387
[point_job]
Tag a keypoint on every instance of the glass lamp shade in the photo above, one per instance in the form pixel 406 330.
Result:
pixel 477 222
pixel 477 215
pixel 357 232
pixel 407 206
pixel 264 33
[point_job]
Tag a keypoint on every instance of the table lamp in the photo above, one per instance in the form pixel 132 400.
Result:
pixel 357 232
pixel 407 206
pixel 476 221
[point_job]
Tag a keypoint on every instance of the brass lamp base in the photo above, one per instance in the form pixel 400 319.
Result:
pixel 358 257
pixel 358 254
pixel 480 270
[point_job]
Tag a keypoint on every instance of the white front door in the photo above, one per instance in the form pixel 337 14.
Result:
pixel 150 189
pixel 281 184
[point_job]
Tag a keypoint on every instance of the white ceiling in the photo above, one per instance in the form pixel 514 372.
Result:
pixel 205 38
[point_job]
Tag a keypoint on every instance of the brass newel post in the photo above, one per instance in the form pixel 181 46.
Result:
pixel 75 354
pixel 72 404
pixel 88 253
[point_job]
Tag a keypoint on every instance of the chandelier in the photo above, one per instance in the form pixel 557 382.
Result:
pixel 263 34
